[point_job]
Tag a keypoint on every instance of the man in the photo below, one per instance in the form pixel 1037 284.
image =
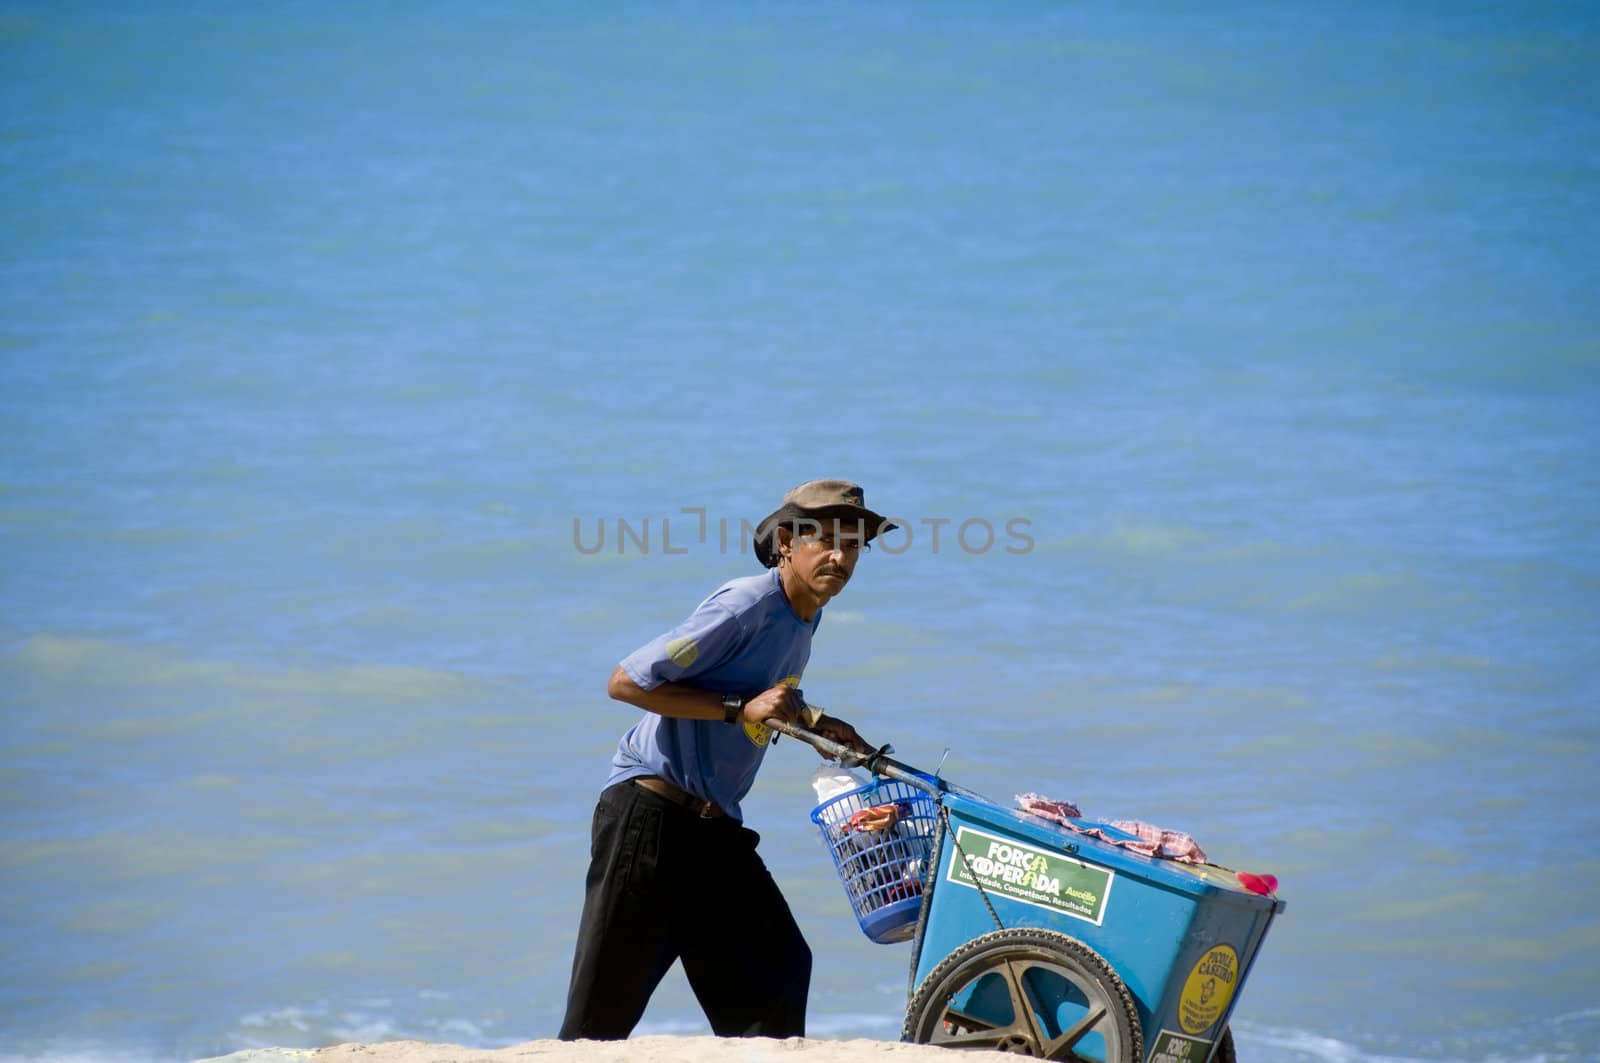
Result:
pixel 673 873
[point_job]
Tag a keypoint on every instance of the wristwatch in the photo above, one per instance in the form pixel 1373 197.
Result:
pixel 732 706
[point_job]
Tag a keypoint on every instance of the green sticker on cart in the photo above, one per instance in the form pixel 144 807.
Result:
pixel 1033 876
pixel 1173 1047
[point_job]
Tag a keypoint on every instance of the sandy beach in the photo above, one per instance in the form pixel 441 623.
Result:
pixel 661 1049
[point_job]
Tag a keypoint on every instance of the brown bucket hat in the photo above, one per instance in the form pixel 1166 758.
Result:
pixel 818 500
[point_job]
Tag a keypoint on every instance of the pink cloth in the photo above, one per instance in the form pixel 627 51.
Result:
pixel 1060 811
pixel 1147 839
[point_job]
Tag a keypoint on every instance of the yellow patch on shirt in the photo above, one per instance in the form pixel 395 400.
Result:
pixel 683 652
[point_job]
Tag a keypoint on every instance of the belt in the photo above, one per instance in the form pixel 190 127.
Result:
pixel 662 788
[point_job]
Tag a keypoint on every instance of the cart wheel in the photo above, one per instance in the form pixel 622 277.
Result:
pixel 1031 993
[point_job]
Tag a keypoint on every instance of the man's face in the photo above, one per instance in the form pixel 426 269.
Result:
pixel 823 554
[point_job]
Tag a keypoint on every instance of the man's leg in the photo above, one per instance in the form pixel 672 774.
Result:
pixel 624 938
pixel 742 951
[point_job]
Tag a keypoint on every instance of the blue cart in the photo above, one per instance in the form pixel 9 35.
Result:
pixel 1034 939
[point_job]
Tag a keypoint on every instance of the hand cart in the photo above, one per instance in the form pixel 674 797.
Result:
pixel 1034 939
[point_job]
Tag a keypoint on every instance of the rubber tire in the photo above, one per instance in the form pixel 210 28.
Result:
pixel 1224 1053
pixel 961 967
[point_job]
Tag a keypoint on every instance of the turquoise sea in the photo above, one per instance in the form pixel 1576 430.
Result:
pixel 332 334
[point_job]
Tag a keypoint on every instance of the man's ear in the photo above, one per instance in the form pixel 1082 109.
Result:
pixel 785 541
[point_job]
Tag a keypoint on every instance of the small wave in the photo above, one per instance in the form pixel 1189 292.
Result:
pixel 1526 1043
pixel 847 1024
pixel 1303 1046
pixel 367 1019
pixel 685 1027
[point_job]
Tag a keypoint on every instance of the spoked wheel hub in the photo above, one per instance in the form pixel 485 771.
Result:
pixel 1029 993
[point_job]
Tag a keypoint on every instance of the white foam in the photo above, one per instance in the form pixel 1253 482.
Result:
pixel 293 1017
pixel 670 1026
pixel 1290 1045
pixel 853 1024
pixel 1308 1047
pixel 360 1026
pixel 461 1029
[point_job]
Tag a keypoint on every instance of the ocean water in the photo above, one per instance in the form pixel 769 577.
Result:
pixel 1264 338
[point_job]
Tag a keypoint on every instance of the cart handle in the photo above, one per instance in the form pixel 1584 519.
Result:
pixel 878 762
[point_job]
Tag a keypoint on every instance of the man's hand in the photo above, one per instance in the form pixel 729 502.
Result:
pixel 781 703
pixel 836 730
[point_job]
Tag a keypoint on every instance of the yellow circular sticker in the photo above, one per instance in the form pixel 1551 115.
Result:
pixel 683 651
pixel 1208 989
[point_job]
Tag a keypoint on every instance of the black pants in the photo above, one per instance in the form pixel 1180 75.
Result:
pixel 666 885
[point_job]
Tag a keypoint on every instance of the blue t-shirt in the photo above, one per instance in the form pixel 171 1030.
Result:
pixel 743 639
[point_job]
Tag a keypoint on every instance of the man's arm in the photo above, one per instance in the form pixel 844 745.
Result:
pixel 684 702
pixel 780 702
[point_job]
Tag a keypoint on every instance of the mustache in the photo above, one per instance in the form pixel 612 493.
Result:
pixel 841 573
